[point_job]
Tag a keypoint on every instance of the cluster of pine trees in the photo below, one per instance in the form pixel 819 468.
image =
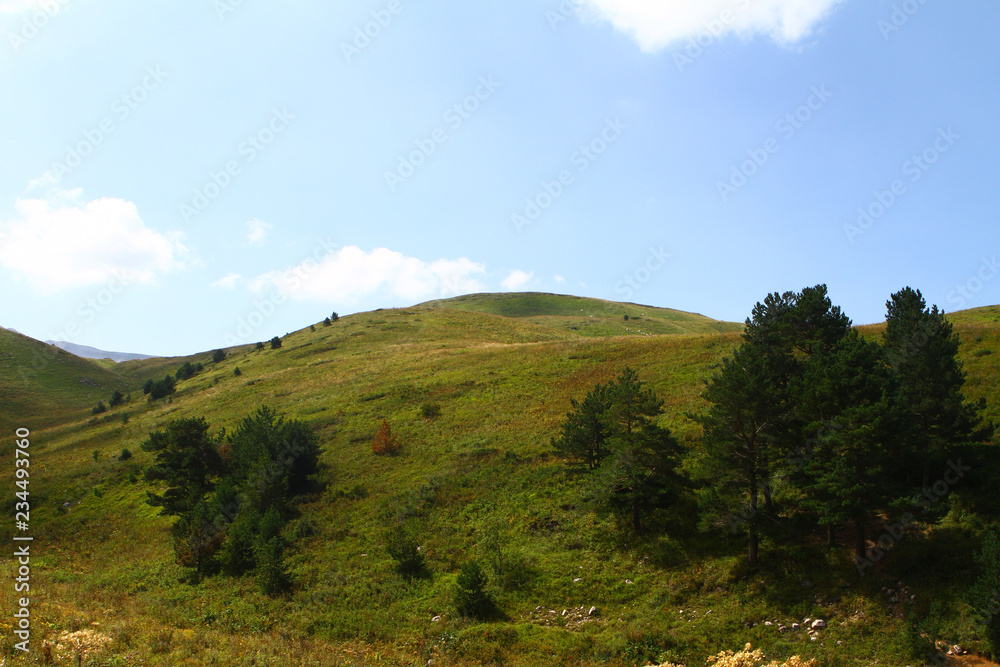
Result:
pixel 233 493
pixel 850 427
pixel 805 417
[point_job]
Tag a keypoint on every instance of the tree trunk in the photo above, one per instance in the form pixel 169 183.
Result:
pixel 753 538
pixel 860 546
pixel 768 503
pixel 636 520
pixel 831 539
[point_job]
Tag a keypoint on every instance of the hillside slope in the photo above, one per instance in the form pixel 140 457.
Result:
pixel 44 385
pixel 586 316
pixel 480 473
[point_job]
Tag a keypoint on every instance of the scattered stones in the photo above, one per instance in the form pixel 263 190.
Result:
pixel 818 623
pixel 571 619
pixel 435 619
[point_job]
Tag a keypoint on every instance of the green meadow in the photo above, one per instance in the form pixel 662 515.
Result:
pixel 476 474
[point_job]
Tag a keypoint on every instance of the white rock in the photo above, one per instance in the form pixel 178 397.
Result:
pixel 768 623
pixel 593 610
pixel 435 619
pixel 577 580
pixel 818 623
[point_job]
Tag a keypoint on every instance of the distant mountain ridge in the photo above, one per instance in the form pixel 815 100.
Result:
pixel 87 352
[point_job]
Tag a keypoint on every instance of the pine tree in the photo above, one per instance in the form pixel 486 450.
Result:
pixel 471 598
pixel 746 412
pixel 921 349
pixel 187 460
pixel 640 472
pixel 584 434
pixel 846 395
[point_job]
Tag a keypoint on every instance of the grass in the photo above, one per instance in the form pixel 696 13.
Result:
pixel 480 471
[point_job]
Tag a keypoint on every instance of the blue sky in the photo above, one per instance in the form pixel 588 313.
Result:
pixel 178 177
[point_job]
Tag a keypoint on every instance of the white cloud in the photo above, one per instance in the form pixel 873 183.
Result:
pixel 257 231
pixel 228 281
pixel 351 274
pixel 559 279
pixel 18 6
pixel 656 24
pixel 516 279
pixel 61 242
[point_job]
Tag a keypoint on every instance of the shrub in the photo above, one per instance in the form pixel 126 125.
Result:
pixel 275 343
pixel 430 410
pixel 125 455
pixel 237 372
pixel 471 598
pixel 326 322
pixel 189 370
pixel 117 398
pixel 403 548
pixel 99 408
pixel 260 346
pixel 218 355
pixel 334 316
pixel 385 443
pixel 148 386
pixel 162 388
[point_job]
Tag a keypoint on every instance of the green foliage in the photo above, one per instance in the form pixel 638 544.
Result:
pixel 125 455
pixel 237 372
pixel 147 387
pixel 237 556
pixel 334 316
pixel 259 346
pixel 99 408
pixel 921 350
pixel 272 576
pixel 188 370
pixel 218 355
pixel 640 473
pixel 584 433
pixel 470 596
pixel 403 547
pixel 745 415
pixel 430 410
pixel 327 322
pixel 186 460
pixel 275 343
pixel 162 388
pixel 117 398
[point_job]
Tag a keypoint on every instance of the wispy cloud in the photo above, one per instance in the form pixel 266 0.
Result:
pixel 257 231
pixel 350 275
pixel 656 24
pixel 516 279
pixel 228 281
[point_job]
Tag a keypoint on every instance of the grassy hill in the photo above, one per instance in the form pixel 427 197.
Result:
pixel 585 316
pixel 482 471
pixel 42 384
